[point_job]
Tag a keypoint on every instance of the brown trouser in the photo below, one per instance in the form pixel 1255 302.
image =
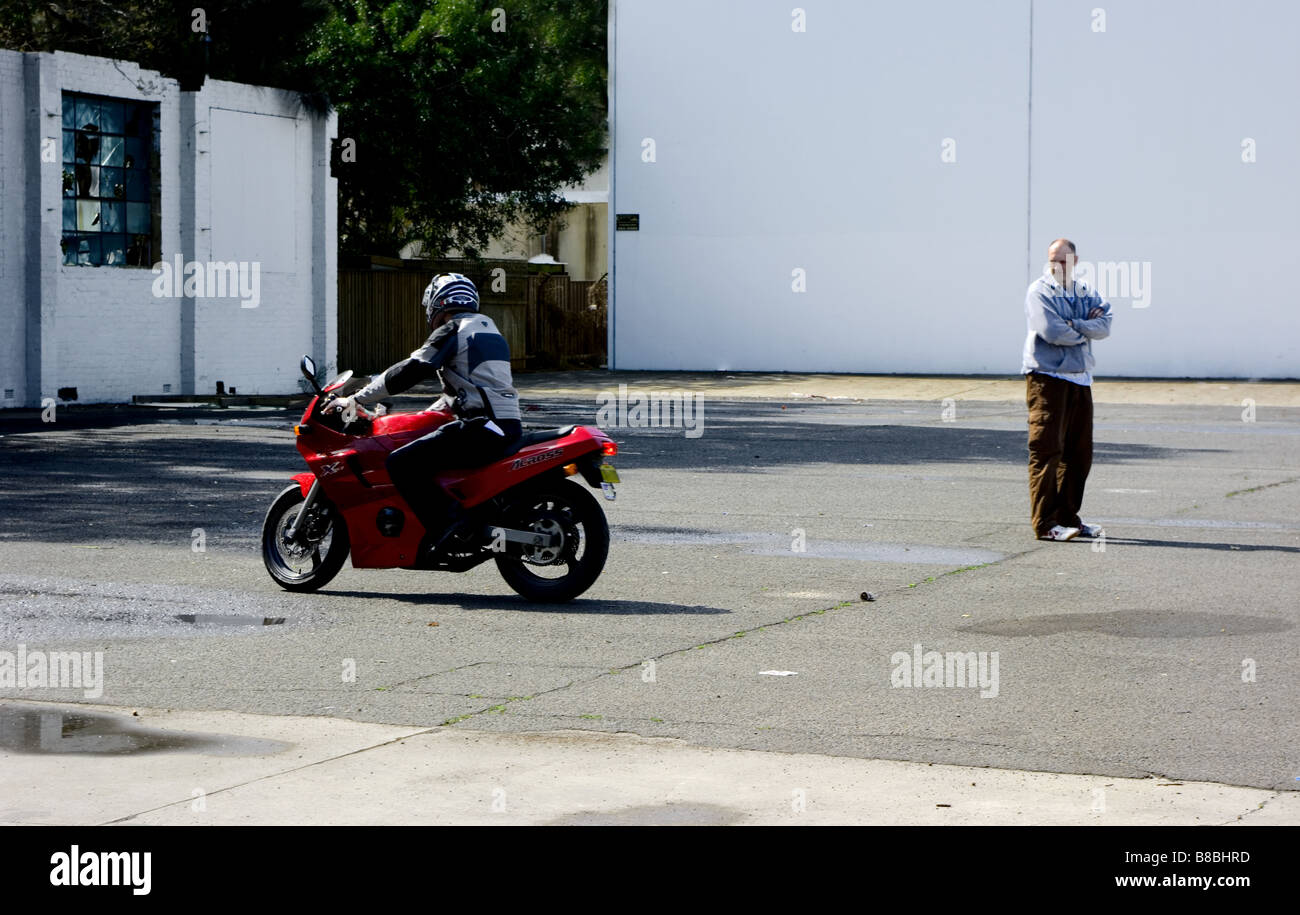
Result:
pixel 1060 449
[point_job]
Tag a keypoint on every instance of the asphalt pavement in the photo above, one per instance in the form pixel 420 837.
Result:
pixel 725 667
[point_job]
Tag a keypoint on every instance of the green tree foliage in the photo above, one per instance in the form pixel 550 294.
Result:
pixel 462 116
pixel 249 41
pixel 466 116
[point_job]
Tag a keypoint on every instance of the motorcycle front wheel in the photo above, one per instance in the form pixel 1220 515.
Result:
pixel 318 551
pixel 560 573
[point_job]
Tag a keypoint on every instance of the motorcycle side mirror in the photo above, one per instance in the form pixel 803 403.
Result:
pixel 308 367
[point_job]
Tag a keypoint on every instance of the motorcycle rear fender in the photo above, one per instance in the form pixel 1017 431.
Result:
pixel 545 458
pixel 589 467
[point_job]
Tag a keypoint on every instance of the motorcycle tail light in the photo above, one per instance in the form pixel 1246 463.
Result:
pixel 610 448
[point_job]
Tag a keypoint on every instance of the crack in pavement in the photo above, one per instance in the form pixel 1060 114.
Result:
pixel 1242 492
pixel 270 775
pixel 1258 807
pixel 726 638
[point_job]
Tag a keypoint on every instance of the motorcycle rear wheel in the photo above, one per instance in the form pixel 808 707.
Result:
pixel 569 507
pixel 303 565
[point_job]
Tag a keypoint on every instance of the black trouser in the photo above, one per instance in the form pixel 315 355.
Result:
pixel 462 443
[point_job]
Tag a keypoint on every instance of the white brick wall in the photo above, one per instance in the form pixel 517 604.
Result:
pixel 115 339
pixel 13 362
pixel 105 332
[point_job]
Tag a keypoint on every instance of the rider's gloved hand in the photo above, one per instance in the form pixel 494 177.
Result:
pixel 345 405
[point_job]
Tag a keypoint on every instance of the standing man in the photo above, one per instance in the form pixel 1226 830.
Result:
pixel 1064 317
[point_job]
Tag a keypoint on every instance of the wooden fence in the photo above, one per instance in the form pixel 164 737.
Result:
pixel 565 322
pixel 549 320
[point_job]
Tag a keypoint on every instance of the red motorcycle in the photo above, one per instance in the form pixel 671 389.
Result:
pixel 547 534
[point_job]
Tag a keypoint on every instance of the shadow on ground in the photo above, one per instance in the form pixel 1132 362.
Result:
pixel 1194 545
pixel 157 483
pixel 506 602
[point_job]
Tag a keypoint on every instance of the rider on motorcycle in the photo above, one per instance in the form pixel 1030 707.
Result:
pixel 472 359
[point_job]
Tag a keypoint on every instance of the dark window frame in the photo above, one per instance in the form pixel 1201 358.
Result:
pixel 111 205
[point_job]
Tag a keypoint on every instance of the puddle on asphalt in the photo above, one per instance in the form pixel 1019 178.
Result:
pixel 1139 624
pixel 769 544
pixel 229 619
pixel 885 552
pixel 40 729
pixel 665 815
pixel 208 471
pixel 255 423
pixel 665 537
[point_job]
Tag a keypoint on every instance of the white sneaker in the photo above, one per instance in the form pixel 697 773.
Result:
pixel 1061 533
pixel 1091 531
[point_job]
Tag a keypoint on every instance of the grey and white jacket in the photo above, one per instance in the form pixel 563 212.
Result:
pixel 471 358
pixel 1060 334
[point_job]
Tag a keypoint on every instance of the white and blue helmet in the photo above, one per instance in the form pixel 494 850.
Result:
pixel 449 292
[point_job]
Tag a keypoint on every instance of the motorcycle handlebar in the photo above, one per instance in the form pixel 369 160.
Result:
pixel 336 419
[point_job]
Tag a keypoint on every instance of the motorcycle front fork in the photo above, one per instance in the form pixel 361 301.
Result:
pixel 291 532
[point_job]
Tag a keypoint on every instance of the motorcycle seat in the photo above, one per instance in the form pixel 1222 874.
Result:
pixel 536 438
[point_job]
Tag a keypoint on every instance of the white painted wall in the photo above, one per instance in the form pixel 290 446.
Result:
pixel 112 338
pixel 1145 123
pixel 821 150
pixel 251 167
pixel 260 204
pixel 13 239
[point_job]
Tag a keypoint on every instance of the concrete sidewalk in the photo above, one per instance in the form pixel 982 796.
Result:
pixel 226 768
pixel 796 387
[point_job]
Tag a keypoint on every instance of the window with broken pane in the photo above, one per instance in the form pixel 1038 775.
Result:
pixel 110 181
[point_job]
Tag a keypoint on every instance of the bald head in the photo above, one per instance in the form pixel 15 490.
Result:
pixel 1061 258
